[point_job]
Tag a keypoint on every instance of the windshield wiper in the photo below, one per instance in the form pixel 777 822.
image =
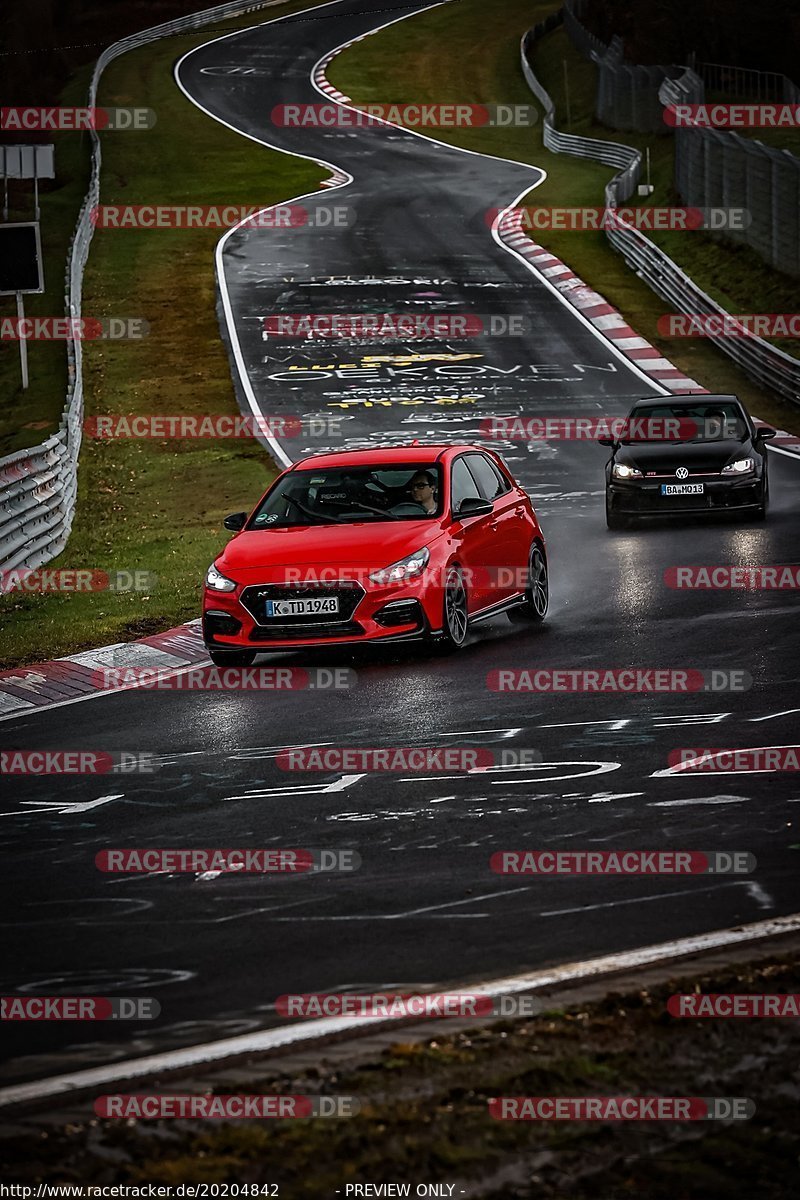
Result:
pixel 658 441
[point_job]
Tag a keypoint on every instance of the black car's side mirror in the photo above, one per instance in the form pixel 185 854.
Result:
pixel 235 521
pixel 474 506
pixel 607 441
pixel 766 434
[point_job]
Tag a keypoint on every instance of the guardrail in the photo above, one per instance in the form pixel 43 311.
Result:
pixel 714 168
pixel 687 88
pixel 748 83
pixel 764 363
pixel 614 154
pixel 38 487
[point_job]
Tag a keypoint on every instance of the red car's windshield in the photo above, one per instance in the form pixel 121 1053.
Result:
pixel 344 495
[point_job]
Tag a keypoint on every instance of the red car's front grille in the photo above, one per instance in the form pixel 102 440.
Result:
pixel 254 598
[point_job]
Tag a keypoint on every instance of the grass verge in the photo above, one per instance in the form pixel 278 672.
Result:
pixel 454 53
pixel 424 1115
pixel 148 505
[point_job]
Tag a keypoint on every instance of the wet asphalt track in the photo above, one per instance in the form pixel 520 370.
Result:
pixel 424 908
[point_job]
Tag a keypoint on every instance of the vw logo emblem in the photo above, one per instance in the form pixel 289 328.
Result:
pixel 682 472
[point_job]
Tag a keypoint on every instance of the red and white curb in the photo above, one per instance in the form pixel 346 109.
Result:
pixel 322 83
pixel 320 78
pixel 605 318
pixel 63 680
pixel 338 177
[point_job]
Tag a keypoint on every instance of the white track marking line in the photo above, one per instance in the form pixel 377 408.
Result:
pixel 68 806
pixel 584 908
pixel 787 712
pixel 699 800
pixel 201 1056
pixel 758 893
pixel 413 912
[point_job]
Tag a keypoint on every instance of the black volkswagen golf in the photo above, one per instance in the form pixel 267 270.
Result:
pixel 689 454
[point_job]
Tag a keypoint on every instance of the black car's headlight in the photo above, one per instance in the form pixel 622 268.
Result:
pixel 740 466
pixel 218 582
pixel 623 471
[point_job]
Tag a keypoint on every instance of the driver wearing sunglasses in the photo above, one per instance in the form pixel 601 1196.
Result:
pixel 423 491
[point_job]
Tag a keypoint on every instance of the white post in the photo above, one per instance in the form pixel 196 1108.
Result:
pixel 23 345
pixel 566 93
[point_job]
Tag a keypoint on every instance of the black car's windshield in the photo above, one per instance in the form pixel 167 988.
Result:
pixel 344 495
pixel 706 421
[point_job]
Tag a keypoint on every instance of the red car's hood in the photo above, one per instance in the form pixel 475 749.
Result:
pixel 362 545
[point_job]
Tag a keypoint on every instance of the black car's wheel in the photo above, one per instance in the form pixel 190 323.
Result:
pixel 455 620
pixel 614 520
pixel 232 658
pixel 537 592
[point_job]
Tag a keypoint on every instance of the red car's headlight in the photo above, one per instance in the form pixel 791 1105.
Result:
pixel 404 568
pixel 218 582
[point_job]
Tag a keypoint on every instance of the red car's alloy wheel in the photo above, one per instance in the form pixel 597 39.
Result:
pixel 537 593
pixel 455 610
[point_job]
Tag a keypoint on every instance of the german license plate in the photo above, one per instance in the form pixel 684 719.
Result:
pixel 298 608
pixel 682 489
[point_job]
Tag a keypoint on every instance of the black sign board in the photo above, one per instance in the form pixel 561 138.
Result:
pixel 20 258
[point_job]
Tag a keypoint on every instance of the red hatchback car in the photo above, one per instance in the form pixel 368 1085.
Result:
pixel 374 546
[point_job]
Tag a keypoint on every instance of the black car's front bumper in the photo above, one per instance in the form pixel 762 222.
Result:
pixel 642 497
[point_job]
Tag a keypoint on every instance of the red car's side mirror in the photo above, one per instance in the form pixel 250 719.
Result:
pixel 474 506
pixel 235 521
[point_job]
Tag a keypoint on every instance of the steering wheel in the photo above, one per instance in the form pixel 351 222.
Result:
pixel 408 508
